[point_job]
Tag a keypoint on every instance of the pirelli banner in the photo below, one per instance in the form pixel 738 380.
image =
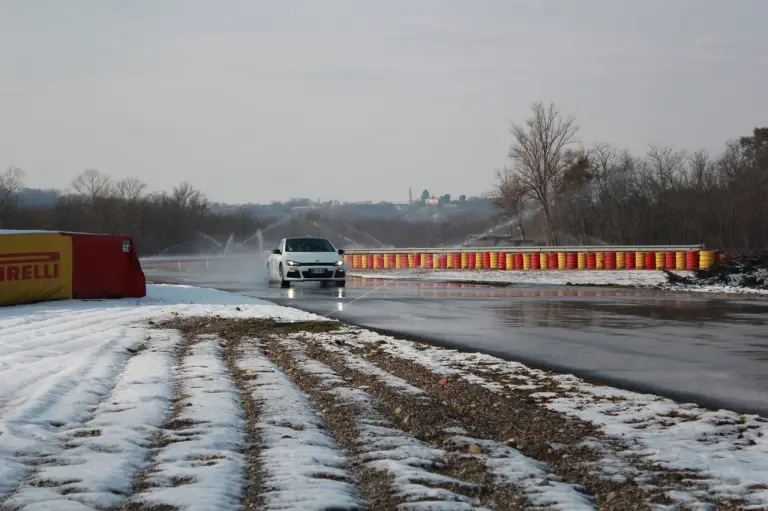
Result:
pixel 42 266
pixel 35 267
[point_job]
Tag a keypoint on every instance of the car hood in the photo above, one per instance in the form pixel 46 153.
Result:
pixel 312 257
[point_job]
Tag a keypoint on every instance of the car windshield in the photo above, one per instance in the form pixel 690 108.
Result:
pixel 308 245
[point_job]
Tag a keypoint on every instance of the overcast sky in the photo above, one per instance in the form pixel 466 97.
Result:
pixel 253 101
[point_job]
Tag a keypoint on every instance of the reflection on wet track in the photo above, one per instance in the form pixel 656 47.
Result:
pixel 709 349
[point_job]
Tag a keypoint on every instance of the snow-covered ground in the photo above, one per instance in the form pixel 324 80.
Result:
pixel 100 408
pixel 630 278
pixel 84 385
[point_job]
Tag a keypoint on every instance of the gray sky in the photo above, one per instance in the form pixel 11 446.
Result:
pixel 356 100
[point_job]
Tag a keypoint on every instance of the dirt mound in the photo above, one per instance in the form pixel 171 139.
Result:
pixel 748 271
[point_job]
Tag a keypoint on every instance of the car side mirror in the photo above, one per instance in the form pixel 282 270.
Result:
pixel 277 251
pixel 341 251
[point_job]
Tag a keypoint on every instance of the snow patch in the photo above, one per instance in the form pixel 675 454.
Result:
pixel 550 277
pixel 363 366
pixel 305 469
pixel 385 448
pixel 623 278
pixel 53 384
pixel 99 459
pixel 532 477
pixel 202 467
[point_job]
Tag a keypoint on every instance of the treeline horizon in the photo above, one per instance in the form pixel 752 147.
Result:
pixel 604 194
pixel 182 219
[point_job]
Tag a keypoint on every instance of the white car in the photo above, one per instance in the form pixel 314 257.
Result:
pixel 306 259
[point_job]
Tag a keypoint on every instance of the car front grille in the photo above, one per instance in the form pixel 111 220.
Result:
pixel 326 274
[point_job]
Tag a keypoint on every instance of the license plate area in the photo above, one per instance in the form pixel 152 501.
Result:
pixel 316 271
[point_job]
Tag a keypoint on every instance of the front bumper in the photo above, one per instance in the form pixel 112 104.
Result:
pixel 319 273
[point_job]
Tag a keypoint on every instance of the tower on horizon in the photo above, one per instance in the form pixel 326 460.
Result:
pixel 410 195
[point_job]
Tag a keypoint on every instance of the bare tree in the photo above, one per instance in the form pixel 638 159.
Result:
pixel 129 194
pixel 187 198
pixel 510 196
pixel 92 185
pixel 10 183
pixel 130 189
pixel 539 156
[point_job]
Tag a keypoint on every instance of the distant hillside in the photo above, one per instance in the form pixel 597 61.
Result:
pixel 408 212
pixel 35 197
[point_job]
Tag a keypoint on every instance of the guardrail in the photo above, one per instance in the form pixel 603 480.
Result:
pixel 647 257
pixel 600 257
pixel 574 248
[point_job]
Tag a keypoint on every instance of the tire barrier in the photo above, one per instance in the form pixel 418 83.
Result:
pixel 37 266
pixel 550 258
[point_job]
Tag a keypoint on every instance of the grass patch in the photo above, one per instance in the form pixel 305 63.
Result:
pixel 87 433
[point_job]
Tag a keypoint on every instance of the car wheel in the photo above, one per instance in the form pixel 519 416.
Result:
pixel 283 283
pixel 341 283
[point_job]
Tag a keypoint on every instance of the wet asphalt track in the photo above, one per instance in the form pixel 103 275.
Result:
pixel 706 349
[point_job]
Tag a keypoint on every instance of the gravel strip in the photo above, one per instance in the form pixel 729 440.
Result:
pixel 544 432
pixel 199 464
pixel 396 470
pixel 254 477
pixel 560 442
pixel 303 465
pixel 528 480
pixel 616 461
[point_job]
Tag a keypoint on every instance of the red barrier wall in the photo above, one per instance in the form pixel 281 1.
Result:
pixel 571 261
pixel 552 260
pixel 591 260
pixel 692 260
pixel 670 260
pixel 105 266
pixel 535 262
pixel 650 260
pixel 629 260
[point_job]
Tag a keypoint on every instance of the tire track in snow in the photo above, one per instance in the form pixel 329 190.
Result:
pixel 31 377
pixel 30 425
pixel 76 321
pixel 199 464
pixel 102 456
pixel 302 466
pixel 397 471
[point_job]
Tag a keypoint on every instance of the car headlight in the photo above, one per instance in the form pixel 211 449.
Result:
pixel 339 263
pixel 291 263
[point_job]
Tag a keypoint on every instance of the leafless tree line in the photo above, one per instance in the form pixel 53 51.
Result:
pixel 602 194
pixel 181 221
pixel 100 204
